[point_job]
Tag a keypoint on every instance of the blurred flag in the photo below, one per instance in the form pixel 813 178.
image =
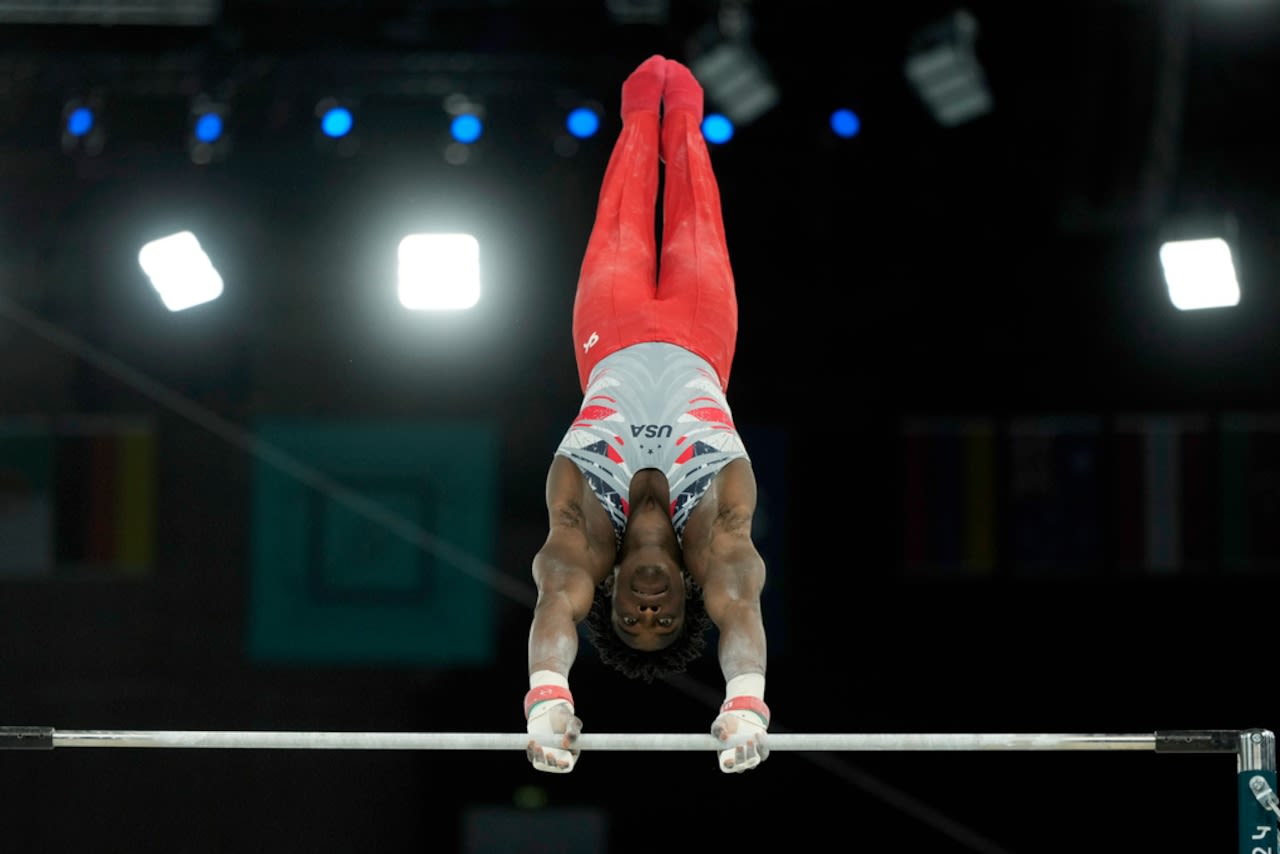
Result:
pixel 1161 492
pixel 105 510
pixel 1055 495
pixel 949 495
pixel 26 499
pixel 76 496
pixel 1250 491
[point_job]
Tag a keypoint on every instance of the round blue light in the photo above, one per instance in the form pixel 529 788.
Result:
pixel 466 129
pixel 209 127
pixel 583 122
pixel 337 122
pixel 717 128
pixel 845 123
pixel 80 121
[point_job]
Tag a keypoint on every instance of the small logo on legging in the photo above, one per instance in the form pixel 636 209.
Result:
pixel 591 342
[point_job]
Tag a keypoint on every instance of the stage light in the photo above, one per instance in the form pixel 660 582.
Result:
pixel 736 77
pixel 717 128
pixel 336 122
pixel 180 271
pixel 942 64
pixel 845 123
pixel 336 127
pixel 466 128
pixel 583 122
pixel 1200 273
pixel 80 121
pixel 439 271
pixel 209 128
pixel 207 138
pixel 82 126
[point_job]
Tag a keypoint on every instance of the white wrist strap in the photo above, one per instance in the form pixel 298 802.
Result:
pixel 746 685
pixel 548 677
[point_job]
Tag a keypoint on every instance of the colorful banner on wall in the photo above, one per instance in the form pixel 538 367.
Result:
pixel 1161 493
pixel 949 495
pixel 1076 495
pixel 1055 484
pixel 27 495
pixel 338 582
pixel 77 495
pixel 1249 506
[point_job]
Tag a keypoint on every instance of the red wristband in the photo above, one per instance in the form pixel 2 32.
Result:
pixel 545 692
pixel 747 704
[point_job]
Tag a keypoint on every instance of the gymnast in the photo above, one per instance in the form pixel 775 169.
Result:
pixel 650 494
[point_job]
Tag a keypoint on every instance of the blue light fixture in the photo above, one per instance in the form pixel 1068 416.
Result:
pixel 583 122
pixel 466 128
pixel 80 121
pixel 209 128
pixel 717 128
pixel 845 123
pixel 336 122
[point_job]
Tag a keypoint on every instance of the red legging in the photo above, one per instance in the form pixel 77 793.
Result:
pixel 622 298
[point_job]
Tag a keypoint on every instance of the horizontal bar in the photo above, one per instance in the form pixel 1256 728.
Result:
pixel 1199 741
pixel 517 741
pixel 26 737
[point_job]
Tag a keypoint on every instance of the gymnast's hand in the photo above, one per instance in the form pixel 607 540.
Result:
pixel 553 729
pixel 743 734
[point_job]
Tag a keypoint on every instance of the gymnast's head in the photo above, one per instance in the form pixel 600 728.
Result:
pixel 648 618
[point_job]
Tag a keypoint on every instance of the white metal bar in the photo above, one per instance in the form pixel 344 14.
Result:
pixel 597 741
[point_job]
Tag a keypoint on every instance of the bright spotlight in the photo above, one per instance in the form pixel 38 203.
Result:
pixel 466 128
pixel 180 271
pixel 716 128
pixel 583 122
pixel 1200 273
pixel 845 123
pixel 439 271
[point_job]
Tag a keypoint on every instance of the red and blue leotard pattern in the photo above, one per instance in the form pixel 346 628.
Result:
pixel 652 406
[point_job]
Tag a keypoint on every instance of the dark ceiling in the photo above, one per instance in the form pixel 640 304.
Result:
pixel 1030 230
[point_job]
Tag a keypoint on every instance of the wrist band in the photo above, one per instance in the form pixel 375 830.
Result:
pixel 551 677
pixel 744 685
pixel 543 693
pixel 747 704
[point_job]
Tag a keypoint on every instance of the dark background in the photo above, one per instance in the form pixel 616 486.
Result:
pixel 998 269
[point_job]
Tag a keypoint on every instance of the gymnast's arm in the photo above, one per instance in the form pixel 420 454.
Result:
pixel 565 592
pixel 734 579
pixel 564 570
pixel 735 576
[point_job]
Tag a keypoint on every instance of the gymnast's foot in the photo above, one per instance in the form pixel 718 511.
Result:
pixel 682 92
pixel 642 90
pixel 681 108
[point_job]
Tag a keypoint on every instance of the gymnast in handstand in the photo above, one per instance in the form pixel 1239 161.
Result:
pixel 651 494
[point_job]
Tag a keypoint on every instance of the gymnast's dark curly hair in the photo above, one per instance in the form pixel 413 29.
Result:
pixel 638 664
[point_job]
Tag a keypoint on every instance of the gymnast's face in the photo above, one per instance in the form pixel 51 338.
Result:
pixel 648 601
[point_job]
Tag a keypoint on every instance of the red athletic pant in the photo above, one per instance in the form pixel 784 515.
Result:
pixel 624 295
